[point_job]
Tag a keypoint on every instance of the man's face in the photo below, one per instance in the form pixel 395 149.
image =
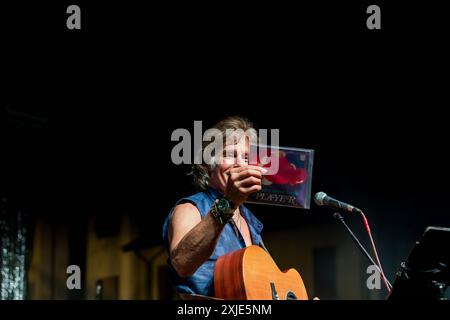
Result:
pixel 233 155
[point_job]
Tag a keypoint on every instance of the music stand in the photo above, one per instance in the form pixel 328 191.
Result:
pixel 426 272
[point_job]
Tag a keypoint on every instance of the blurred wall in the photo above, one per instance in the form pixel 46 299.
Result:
pixel 49 261
pixel 328 261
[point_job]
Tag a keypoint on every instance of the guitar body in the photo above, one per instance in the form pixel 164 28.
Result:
pixel 251 274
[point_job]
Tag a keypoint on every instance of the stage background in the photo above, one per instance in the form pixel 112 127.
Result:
pixel 86 120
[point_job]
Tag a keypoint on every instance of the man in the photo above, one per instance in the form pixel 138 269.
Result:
pixel 214 222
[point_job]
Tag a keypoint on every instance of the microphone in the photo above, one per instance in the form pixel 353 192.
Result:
pixel 321 199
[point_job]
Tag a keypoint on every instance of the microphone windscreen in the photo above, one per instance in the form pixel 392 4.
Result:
pixel 318 198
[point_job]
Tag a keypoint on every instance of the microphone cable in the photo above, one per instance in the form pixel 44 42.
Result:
pixel 375 251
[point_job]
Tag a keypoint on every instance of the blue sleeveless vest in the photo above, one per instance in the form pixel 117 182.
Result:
pixel 202 281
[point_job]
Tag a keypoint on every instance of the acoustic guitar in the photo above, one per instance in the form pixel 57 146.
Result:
pixel 251 274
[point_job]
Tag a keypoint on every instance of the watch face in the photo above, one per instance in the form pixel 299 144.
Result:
pixel 223 205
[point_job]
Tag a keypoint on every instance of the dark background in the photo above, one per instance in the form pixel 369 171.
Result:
pixel 86 116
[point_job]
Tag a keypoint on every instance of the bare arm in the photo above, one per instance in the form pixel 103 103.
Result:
pixel 192 240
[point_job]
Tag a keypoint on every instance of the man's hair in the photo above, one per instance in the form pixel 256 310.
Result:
pixel 201 172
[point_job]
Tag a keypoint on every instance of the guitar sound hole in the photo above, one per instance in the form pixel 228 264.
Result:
pixel 291 296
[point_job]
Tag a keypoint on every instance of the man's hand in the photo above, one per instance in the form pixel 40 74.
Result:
pixel 242 182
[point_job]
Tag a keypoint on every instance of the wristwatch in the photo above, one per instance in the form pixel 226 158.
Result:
pixel 223 210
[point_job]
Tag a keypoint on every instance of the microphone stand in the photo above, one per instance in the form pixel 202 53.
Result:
pixel 339 217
